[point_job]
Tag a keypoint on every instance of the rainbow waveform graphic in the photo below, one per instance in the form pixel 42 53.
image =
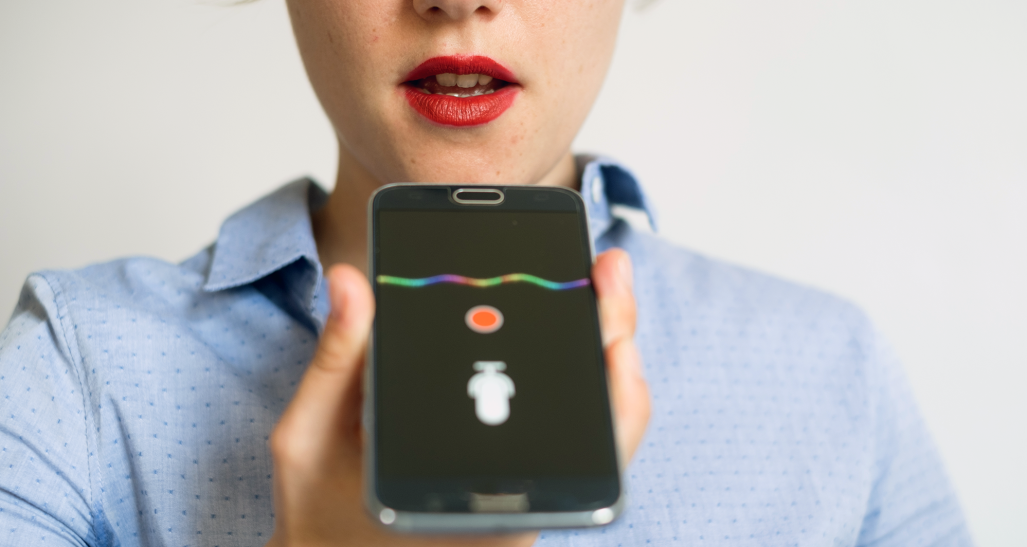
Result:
pixel 489 282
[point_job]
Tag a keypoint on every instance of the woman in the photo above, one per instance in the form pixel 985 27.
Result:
pixel 215 402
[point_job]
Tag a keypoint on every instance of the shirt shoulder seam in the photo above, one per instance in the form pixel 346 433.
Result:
pixel 89 423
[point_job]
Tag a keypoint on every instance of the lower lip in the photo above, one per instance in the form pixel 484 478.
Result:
pixel 462 111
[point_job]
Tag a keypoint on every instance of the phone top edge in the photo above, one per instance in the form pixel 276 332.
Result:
pixel 374 201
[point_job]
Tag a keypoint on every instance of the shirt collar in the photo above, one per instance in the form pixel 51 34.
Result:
pixel 607 185
pixel 266 236
pixel 275 231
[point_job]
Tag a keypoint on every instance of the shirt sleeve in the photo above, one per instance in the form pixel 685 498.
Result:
pixel 45 489
pixel 911 501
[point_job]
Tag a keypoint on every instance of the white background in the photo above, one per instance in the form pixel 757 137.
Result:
pixel 873 148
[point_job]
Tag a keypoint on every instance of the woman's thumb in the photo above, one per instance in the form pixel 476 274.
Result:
pixel 330 390
pixel 349 323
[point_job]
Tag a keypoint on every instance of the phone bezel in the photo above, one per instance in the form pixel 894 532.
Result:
pixel 469 522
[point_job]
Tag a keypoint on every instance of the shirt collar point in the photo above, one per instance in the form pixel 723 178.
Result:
pixel 265 236
pixel 606 183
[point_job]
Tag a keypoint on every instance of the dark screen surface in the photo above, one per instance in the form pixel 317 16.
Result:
pixel 449 420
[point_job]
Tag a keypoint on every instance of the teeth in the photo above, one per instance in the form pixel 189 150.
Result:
pixel 461 95
pixel 464 81
pixel 446 80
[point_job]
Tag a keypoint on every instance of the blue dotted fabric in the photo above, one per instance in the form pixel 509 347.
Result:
pixel 137 396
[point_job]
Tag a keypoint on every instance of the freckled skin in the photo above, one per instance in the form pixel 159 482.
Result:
pixel 357 51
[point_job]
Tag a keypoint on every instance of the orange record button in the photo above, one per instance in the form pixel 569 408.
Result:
pixel 484 319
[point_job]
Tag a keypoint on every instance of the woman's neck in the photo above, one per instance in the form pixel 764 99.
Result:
pixel 340 227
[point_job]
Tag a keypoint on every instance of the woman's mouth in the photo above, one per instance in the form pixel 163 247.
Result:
pixel 461 90
pixel 458 85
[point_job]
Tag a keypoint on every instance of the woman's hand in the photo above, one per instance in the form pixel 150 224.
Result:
pixel 317 445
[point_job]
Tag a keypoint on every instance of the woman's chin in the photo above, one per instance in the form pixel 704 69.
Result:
pixel 448 175
pixel 487 159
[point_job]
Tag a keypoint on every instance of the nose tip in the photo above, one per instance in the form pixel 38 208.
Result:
pixel 456 10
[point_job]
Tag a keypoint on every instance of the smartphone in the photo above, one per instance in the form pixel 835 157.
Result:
pixel 487 407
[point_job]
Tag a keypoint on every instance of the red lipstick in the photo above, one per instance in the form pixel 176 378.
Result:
pixel 476 105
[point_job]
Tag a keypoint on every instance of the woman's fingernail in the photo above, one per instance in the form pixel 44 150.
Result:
pixel 337 297
pixel 625 271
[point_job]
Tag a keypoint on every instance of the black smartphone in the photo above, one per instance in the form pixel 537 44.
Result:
pixel 487 406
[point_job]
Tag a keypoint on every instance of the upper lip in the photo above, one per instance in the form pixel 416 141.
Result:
pixel 461 64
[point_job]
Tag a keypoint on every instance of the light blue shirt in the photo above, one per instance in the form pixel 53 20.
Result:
pixel 137 396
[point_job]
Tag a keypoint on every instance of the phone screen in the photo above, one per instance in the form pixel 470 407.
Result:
pixel 489 374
